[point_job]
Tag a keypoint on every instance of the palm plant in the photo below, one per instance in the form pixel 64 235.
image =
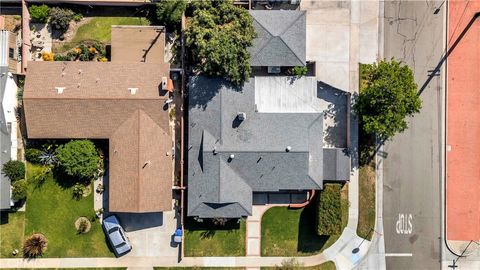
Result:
pixel 35 245
pixel 47 157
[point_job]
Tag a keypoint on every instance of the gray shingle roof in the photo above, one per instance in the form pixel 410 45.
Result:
pixel 222 187
pixel 336 164
pixel 280 38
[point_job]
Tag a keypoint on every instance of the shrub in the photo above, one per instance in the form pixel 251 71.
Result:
pixel 39 14
pixel 299 71
pixel 14 169
pixel 218 36
pixel 60 18
pixel 79 158
pixel 77 17
pixel 82 226
pixel 19 190
pixel 35 245
pixel 169 12
pixel 329 211
pixel 103 59
pixel 33 155
pixel 48 56
pixel 59 57
pixel 78 190
pixel 47 157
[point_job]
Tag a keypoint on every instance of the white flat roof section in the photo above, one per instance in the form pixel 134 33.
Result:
pixel 287 94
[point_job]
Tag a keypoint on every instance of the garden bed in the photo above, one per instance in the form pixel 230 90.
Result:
pixel 205 239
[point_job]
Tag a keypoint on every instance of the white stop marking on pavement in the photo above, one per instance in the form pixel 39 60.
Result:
pixel 404 224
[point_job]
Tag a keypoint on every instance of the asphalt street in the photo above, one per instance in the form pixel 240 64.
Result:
pixel 412 182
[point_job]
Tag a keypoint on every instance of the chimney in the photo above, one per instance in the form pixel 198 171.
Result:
pixel 59 90
pixel 241 116
pixel 132 91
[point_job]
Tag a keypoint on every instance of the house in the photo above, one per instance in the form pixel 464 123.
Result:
pixel 10 52
pixel 239 156
pixel 260 143
pixel 280 40
pixel 8 121
pixel 122 101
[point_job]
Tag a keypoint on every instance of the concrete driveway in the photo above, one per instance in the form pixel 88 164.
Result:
pixel 150 234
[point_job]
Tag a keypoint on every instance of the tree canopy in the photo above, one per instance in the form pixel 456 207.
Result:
pixel 387 96
pixel 79 158
pixel 169 12
pixel 218 36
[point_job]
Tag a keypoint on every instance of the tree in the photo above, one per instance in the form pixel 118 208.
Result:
pixel 218 36
pixel 39 14
pixel 79 158
pixel 35 245
pixel 388 95
pixel 19 190
pixel 14 169
pixel 169 12
pixel 60 18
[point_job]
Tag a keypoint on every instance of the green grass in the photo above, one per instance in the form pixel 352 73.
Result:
pixel 366 211
pixel 198 268
pixel 99 29
pixel 106 268
pixel 11 233
pixel 205 239
pixel 292 232
pixel 367 178
pixel 52 211
pixel 324 266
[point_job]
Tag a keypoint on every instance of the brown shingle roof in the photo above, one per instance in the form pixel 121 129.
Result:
pixel 96 103
pixel 133 44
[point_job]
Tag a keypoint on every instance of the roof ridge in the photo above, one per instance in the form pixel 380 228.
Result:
pixel 138 158
pixel 288 28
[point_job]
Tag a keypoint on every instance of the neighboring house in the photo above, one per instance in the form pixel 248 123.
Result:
pixel 280 39
pixel 8 121
pixel 121 101
pixel 10 52
pixel 239 156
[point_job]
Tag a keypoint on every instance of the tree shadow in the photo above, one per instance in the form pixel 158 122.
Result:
pixel 202 89
pixel 308 239
pixel 64 180
pixel 335 114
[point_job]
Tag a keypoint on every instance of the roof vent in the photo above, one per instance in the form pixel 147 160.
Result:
pixel 63 74
pixel 79 71
pixel 164 83
pixel 214 150
pixel 97 79
pixel 132 91
pixel 288 149
pixel 241 116
pixel 232 156
pixel 78 85
pixel 59 90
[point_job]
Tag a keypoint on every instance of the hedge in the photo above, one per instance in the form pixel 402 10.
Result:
pixel 329 210
pixel 14 169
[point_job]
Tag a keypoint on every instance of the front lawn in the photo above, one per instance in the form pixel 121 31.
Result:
pixel 366 211
pixel 52 211
pixel 205 239
pixel 292 232
pixel 324 266
pixel 11 233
